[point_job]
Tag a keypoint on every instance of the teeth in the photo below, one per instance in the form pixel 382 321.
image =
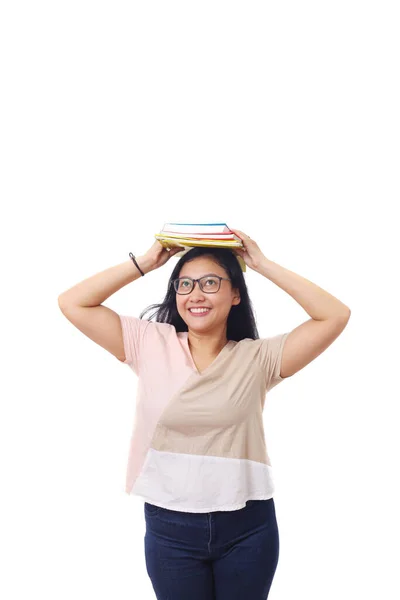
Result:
pixel 199 310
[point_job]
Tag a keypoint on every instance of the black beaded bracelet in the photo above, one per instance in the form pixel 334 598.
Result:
pixel 134 260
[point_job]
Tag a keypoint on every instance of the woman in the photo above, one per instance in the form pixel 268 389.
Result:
pixel 198 454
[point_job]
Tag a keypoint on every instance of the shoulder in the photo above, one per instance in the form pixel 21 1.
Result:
pixel 135 321
pixel 264 347
pixel 134 326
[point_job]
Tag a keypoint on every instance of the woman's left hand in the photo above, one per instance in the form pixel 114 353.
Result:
pixel 250 252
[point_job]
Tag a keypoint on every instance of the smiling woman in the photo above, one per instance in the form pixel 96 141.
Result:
pixel 198 443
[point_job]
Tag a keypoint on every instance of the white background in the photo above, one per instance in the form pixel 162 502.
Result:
pixel 280 119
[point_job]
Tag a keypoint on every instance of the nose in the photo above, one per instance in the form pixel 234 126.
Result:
pixel 198 289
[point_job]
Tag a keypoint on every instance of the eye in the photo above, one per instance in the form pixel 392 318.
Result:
pixel 211 281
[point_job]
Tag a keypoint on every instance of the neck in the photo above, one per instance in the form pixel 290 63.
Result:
pixel 207 343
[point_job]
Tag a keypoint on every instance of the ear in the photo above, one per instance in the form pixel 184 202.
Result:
pixel 236 298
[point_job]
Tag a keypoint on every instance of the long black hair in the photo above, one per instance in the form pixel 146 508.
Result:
pixel 241 323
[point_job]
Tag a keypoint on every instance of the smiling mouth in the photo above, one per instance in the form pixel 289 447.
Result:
pixel 200 312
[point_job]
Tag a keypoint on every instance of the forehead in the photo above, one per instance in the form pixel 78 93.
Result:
pixel 201 266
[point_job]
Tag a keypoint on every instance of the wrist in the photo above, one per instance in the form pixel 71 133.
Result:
pixel 262 264
pixel 145 263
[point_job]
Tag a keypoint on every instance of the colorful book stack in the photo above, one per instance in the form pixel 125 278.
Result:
pixel 210 235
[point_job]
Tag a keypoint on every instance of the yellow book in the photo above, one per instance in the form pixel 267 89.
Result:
pixel 188 242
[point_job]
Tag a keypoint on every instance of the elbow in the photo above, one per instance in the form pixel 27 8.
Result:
pixel 61 301
pixel 345 313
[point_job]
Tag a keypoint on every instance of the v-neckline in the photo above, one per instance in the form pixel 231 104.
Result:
pixel 185 336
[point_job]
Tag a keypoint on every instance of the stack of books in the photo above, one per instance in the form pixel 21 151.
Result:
pixel 188 235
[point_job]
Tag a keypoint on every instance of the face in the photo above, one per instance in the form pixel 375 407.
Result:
pixel 219 303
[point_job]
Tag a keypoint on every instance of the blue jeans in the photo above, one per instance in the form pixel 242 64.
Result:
pixel 223 555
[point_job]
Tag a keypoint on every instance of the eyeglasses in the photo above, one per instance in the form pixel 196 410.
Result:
pixel 209 284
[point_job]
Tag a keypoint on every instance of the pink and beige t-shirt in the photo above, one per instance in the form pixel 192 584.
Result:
pixel 198 442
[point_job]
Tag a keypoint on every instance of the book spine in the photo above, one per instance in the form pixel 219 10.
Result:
pixel 232 237
pixel 199 242
pixel 201 236
pixel 195 228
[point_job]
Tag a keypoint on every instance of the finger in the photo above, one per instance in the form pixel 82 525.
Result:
pixel 240 234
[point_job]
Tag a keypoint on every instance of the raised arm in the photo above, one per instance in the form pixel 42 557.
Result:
pixel 82 303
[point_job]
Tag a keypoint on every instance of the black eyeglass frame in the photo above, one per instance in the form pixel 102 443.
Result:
pixel 200 285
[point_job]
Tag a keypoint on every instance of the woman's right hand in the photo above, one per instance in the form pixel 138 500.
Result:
pixel 157 255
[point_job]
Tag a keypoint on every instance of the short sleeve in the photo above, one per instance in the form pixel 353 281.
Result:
pixel 271 350
pixel 133 334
